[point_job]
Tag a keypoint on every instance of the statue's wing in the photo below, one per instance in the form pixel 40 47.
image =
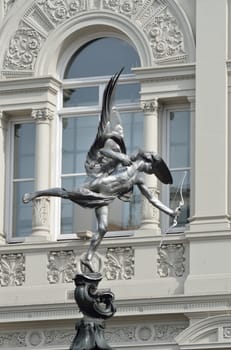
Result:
pixel 93 162
pixel 161 170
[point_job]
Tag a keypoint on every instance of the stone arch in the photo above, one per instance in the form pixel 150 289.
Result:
pixel 208 333
pixel 159 29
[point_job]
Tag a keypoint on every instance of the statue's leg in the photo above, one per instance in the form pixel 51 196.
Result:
pixel 102 220
pixel 52 192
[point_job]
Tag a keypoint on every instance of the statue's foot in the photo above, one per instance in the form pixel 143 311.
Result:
pixel 88 264
pixel 27 197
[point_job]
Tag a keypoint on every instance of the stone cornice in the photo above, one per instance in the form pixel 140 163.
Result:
pixel 166 73
pixel 217 304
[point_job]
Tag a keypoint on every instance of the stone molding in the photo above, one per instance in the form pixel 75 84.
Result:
pixel 211 332
pixel 154 18
pixel 134 307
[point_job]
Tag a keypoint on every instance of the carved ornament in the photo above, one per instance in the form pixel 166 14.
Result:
pixel 42 114
pixel 171 260
pixel 61 266
pixel 152 17
pixel 119 264
pixel 12 269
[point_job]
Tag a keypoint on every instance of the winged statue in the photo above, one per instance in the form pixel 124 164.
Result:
pixel 111 173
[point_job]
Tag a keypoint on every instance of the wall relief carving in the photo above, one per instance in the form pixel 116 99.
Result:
pixel 12 269
pixel 171 260
pixel 61 266
pixel 119 263
pixel 152 17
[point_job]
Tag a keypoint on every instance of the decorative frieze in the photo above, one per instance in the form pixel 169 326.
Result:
pixel 125 334
pixel 12 269
pixel 119 264
pixel 152 17
pixel 61 266
pixel 171 260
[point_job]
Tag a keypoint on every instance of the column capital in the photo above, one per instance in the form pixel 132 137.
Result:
pixel 42 114
pixel 3 120
pixel 151 106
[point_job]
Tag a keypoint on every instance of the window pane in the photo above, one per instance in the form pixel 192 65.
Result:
pixel 22 214
pixel 78 135
pixel 73 217
pixel 133 130
pixel 87 96
pixel 175 195
pixel 125 215
pixel 103 56
pixel 24 146
pixel 179 139
pixel 127 93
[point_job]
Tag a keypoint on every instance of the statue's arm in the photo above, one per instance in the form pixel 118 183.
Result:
pixel 154 201
pixel 120 157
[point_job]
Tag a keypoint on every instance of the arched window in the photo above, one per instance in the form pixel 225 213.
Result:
pixel 85 78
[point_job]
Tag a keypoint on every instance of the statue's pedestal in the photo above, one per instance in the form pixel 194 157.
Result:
pixel 96 306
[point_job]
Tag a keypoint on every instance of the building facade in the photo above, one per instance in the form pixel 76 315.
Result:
pixel 172 291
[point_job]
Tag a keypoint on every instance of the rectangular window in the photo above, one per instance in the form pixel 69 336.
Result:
pixel 21 170
pixel 78 134
pixel 80 103
pixel 177 126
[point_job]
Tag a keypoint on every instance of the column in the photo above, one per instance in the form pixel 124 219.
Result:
pixel 2 177
pixel 41 206
pixel 150 214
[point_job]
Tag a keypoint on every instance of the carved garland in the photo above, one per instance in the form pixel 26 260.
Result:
pixel 152 16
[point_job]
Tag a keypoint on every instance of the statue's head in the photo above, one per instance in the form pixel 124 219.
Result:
pixel 154 164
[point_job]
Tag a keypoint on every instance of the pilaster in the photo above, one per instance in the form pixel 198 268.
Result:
pixel 211 138
pixel 2 177
pixel 150 215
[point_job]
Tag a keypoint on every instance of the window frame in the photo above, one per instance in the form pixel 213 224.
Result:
pixel 165 147
pixel 10 177
pixel 87 111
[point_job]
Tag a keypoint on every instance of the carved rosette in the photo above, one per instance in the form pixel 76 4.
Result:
pixel 12 269
pixel 126 7
pixel 227 332
pixel 60 10
pixel 61 266
pixel 119 264
pixel 171 260
pixel 152 17
pixel 23 49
